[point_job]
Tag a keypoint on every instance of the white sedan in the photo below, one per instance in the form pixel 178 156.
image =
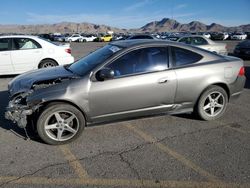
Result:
pixel 74 38
pixel 205 43
pixel 88 38
pixel 239 36
pixel 23 53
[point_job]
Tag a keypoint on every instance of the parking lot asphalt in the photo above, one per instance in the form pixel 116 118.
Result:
pixel 159 151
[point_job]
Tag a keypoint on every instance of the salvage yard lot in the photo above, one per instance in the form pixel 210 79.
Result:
pixel 159 151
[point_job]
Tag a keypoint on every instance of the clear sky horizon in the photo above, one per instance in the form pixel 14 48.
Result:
pixel 125 14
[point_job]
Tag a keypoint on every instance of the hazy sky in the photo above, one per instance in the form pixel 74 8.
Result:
pixel 124 13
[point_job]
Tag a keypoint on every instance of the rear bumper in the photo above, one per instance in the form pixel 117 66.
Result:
pixel 65 60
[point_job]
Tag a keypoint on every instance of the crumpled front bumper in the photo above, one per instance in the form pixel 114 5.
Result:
pixel 18 113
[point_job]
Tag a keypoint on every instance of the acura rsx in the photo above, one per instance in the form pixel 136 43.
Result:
pixel 121 80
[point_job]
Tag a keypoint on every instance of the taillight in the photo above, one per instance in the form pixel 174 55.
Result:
pixel 68 50
pixel 242 71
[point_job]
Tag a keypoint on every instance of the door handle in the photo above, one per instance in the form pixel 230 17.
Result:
pixel 163 80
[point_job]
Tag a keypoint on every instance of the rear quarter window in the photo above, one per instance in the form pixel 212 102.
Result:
pixel 4 44
pixel 183 57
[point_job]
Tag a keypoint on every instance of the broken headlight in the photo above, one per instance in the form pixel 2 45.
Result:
pixel 21 98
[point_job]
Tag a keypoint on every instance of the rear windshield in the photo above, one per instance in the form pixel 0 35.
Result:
pixel 49 41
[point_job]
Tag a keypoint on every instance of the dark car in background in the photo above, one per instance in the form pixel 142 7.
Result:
pixel 141 36
pixel 217 36
pixel 248 35
pixel 60 38
pixel 49 37
pixel 243 49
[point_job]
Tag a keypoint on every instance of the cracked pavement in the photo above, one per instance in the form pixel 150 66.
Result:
pixel 114 155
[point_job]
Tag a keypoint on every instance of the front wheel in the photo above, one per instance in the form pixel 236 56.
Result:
pixel 212 103
pixel 60 124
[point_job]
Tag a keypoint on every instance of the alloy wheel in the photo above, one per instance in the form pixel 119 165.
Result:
pixel 61 125
pixel 214 104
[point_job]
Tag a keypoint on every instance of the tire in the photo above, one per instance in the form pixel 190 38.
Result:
pixel 60 123
pixel 47 63
pixel 212 103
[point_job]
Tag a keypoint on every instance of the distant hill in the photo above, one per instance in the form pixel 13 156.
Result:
pixel 167 24
pixel 64 27
pixel 164 25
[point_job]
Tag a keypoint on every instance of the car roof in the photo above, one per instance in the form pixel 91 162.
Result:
pixel 139 42
pixel 148 42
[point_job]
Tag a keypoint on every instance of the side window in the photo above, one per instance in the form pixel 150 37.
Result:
pixel 184 57
pixel 4 44
pixel 24 44
pixel 141 61
pixel 185 40
pixel 148 37
pixel 199 41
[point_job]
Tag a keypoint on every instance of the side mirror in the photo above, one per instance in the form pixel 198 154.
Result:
pixel 105 74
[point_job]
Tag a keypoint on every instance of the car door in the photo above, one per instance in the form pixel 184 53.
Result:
pixel 75 37
pixel 188 75
pixel 26 54
pixel 5 59
pixel 142 85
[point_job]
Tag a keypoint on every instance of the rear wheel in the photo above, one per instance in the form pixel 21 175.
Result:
pixel 60 124
pixel 212 103
pixel 47 63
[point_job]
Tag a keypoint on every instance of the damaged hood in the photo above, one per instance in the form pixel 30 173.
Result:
pixel 24 82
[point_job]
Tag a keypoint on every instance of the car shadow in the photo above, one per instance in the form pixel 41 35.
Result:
pixel 8 76
pixel 8 125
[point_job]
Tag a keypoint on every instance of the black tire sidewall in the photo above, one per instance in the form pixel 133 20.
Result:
pixel 199 108
pixel 46 61
pixel 59 107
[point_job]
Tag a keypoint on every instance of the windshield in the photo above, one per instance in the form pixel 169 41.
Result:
pixel 87 63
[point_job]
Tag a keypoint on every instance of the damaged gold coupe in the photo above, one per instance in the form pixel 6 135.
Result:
pixel 124 79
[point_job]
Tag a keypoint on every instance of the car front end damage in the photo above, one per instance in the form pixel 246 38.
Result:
pixel 29 84
pixel 18 109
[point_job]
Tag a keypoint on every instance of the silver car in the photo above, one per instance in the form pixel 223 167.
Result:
pixel 205 43
pixel 121 80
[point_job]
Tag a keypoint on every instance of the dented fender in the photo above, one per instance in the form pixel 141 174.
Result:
pixel 40 93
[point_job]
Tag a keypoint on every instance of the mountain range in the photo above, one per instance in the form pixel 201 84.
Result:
pixel 164 25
